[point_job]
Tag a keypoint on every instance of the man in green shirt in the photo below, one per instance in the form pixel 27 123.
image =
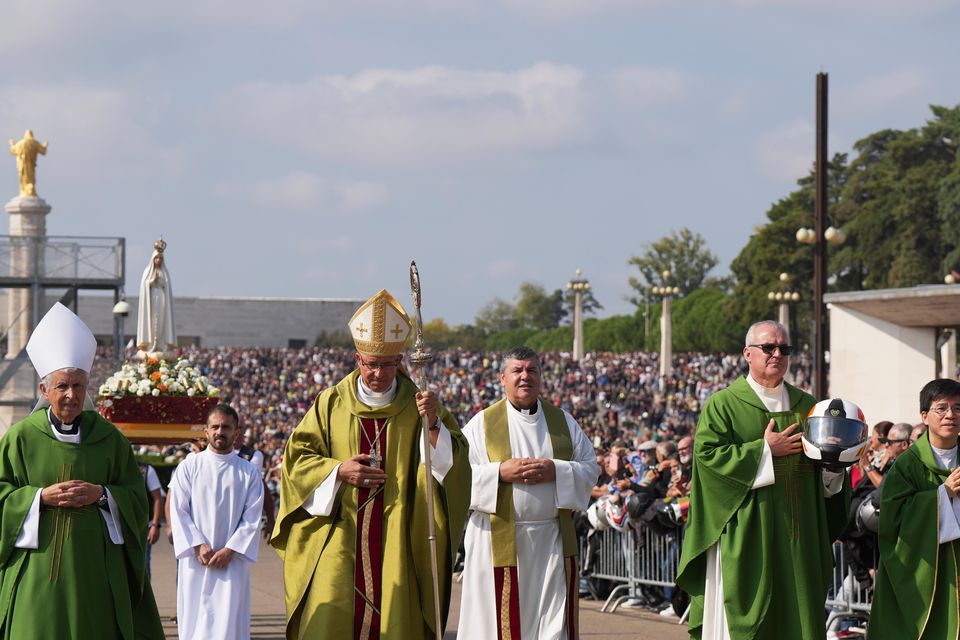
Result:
pixel 757 556
pixel 72 545
pixel 916 587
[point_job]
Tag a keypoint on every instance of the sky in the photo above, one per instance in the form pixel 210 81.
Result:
pixel 312 148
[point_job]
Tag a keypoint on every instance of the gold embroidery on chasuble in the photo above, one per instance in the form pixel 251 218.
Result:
pixel 791 471
pixel 369 556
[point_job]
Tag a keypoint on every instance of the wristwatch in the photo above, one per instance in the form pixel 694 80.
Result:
pixel 102 502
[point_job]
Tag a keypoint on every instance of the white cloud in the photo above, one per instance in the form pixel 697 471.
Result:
pixel 645 86
pixel 100 133
pixel 880 92
pixel 307 193
pixel 428 115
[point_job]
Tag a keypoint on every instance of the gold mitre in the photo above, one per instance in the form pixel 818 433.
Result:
pixel 380 327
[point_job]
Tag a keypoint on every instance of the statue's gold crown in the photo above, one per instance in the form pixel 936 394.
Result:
pixel 160 244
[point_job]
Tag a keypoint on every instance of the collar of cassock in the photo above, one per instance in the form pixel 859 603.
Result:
pixel 532 411
pixel 63 429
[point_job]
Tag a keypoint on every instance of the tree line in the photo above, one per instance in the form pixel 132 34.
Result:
pixel 897 200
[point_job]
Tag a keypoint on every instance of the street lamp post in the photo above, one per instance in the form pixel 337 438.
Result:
pixel 784 296
pixel 666 344
pixel 579 285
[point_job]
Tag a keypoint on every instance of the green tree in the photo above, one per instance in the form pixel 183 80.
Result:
pixel 496 316
pixel 538 309
pixel 684 254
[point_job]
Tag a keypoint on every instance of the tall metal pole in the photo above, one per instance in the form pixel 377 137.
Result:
pixel 820 246
pixel 420 358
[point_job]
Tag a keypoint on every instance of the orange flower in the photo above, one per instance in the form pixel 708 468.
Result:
pixel 152 361
pixel 156 375
pixel 162 387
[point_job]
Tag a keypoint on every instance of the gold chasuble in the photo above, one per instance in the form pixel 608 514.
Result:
pixel 363 572
pixel 503 527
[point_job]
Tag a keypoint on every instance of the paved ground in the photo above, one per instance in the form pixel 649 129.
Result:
pixel 267 619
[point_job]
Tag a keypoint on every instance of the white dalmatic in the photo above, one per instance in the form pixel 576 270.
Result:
pixel 215 499
pixel 540 570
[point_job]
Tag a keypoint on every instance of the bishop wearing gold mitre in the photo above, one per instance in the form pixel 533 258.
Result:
pixel 352 527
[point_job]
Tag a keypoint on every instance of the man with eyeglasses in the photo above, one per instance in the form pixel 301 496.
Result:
pixel 916 594
pixel 757 554
pixel 352 525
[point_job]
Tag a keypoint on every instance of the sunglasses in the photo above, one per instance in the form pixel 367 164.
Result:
pixel 768 348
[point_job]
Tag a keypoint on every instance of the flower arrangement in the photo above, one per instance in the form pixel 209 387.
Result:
pixel 155 377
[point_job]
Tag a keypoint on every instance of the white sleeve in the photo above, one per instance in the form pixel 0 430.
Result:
pixel 485 480
pixel 112 519
pixel 186 535
pixel 832 482
pixel 29 536
pixel 765 476
pixel 153 481
pixel 245 540
pixel 320 502
pixel 441 456
pixel 576 477
pixel 949 526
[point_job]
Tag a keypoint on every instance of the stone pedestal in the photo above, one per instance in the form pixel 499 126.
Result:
pixel 28 229
pixel 28 220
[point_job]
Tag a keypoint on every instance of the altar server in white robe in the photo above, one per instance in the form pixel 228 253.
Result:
pixel 216 499
pixel 532 467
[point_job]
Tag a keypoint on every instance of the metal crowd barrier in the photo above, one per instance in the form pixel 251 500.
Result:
pixel 641 557
pixel 633 557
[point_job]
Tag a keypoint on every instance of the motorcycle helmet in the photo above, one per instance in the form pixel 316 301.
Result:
pixel 836 433
pixel 868 516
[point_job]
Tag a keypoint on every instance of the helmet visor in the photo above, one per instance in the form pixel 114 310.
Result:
pixel 828 431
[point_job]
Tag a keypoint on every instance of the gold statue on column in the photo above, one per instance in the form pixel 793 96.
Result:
pixel 26 151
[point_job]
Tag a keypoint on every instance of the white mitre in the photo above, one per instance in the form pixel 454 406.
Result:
pixel 61 341
pixel 380 327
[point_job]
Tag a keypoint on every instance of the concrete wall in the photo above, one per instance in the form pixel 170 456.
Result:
pixel 213 322
pixel 879 365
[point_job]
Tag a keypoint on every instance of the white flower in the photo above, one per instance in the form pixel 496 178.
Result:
pixel 155 392
pixel 104 390
pixel 191 392
pixel 140 392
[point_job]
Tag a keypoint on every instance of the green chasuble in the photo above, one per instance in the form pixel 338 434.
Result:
pixel 916 586
pixel 321 584
pixel 774 541
pixel 77 583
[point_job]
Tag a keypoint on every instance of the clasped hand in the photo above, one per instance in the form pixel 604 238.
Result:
pixel 71 493
pixel 213 559
pixel 528 470
pixel 782 443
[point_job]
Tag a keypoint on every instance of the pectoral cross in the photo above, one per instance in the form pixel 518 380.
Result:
pixel 375 460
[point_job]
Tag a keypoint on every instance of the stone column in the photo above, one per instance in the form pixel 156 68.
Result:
pixel 28 229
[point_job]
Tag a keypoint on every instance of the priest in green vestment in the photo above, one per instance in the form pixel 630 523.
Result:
pixel 916 586
pixel 353 524
pixel 757 556
pixel 74 508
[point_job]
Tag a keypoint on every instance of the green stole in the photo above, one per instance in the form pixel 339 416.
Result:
pixel 503 526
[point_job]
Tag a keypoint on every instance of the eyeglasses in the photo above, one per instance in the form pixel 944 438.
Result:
pixel 768 348
pixel 379 366
pixel 892 441
pixel 941 409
